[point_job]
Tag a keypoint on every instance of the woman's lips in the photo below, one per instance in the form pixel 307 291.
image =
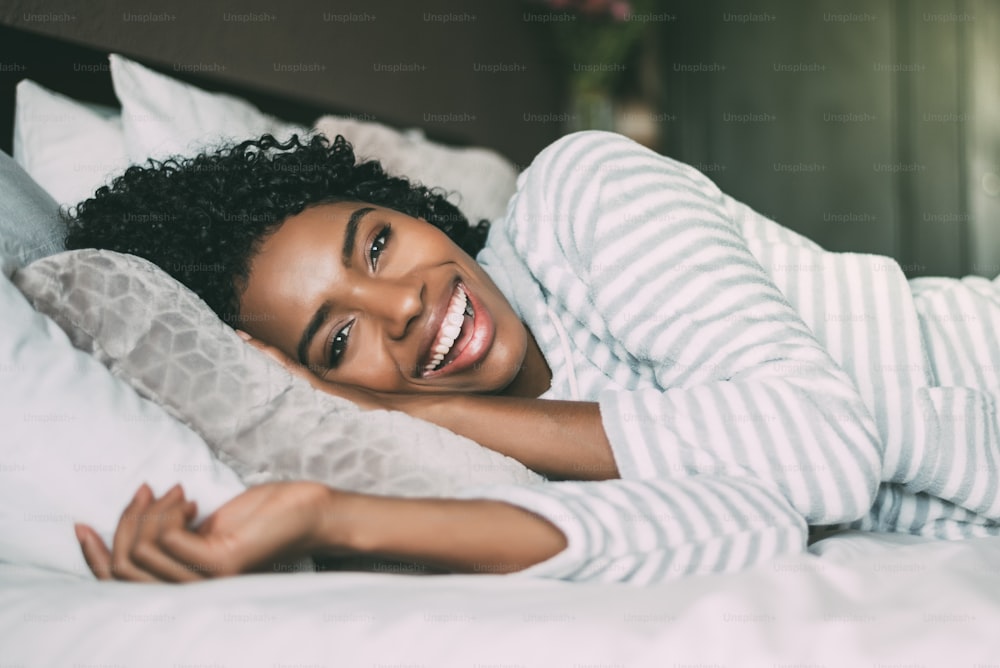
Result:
pixel 472 343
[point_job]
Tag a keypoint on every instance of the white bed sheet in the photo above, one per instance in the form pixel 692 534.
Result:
pixel 867 601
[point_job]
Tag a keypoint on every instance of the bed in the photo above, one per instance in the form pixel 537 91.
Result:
pixel 865 601
pixel 86 421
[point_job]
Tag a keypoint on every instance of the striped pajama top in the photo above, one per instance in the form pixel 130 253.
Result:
pixel 750 383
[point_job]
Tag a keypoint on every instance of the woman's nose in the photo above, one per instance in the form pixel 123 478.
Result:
pixel 397 303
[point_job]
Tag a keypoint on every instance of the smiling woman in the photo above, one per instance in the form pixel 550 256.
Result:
pixel 706 382
pixel 372 297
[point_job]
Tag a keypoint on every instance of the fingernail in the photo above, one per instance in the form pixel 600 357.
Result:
pixel 243 335
pixel 81 533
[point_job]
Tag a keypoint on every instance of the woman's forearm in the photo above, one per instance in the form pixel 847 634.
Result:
pixel 466 536
pixel 560 439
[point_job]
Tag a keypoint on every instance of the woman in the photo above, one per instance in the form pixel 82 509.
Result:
pixel 706 383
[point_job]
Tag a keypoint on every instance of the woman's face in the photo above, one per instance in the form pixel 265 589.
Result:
pixel 372 297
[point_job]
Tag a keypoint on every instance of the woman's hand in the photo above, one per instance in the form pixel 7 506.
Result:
pixel 268 525
pixel 259 530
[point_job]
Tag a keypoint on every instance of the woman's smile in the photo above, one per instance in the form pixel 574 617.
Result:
pixel 461 339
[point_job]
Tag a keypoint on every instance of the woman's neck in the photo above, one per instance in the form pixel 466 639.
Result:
pixel 535 376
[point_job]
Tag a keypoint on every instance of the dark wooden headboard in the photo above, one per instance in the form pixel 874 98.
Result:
pixel 82 73
pixel 465 76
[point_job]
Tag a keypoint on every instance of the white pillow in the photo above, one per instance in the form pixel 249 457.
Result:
pixel 69 148
pixel 162 117
pixel 478 181
pixel 30 226
pixel 77 443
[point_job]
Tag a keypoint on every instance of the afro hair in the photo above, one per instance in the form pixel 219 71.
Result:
pixel 202 219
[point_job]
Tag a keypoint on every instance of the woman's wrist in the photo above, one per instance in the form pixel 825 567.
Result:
pixel 559 439
pixel 436 408
pixel 455 535
pixel 340 517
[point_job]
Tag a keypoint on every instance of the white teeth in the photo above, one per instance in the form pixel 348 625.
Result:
pixel 451 327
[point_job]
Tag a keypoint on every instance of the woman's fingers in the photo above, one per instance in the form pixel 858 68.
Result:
pixel 200 551
pixel 136 554
pixel 95 553
pixel 263 525
pixel 167 515
pixel 132 517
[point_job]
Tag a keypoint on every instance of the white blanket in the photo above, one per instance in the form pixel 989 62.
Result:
pixel 857 600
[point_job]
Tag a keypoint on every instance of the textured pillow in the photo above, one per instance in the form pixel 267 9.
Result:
pixel 76 443
pixel 30 226
pixel 257 417
pixel 69 148
pixel 479 181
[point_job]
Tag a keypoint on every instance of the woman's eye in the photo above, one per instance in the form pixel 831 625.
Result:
pixel 378 244
pixel 338 345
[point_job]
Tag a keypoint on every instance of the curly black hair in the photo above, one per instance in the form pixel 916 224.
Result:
pixel 213 211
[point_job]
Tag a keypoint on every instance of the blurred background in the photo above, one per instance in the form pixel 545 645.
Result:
pixel 868 125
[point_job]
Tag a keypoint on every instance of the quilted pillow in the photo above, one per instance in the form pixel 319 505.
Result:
pixel 258 418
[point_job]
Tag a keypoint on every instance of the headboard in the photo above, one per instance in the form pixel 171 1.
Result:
pixel 82 73
pixel 463 76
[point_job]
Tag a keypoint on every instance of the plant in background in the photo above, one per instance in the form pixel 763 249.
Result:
pixel 595 39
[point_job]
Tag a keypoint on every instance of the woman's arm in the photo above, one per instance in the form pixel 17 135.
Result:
pixel 559 439
pixel 277 522
pixel 613 531
pixel 460 535
pixel 643 252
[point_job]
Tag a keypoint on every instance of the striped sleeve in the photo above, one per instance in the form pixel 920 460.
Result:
pixel 743 427
pixel 646 531
pixel 658 269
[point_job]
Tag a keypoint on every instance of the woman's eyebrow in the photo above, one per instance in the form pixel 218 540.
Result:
pixel 319 317
pixel 321 314
pixel 350 233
